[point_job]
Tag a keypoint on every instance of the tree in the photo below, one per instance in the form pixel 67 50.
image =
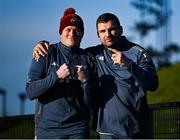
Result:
pixel 153 15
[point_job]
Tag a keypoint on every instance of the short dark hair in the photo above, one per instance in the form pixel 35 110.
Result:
pixel 107 17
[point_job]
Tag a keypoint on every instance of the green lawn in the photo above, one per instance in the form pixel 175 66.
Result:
pixel 169 86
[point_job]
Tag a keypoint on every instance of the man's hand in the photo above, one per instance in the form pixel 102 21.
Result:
pixel 81 74
pixel 40 49
pixel 63 72
pixel 118 57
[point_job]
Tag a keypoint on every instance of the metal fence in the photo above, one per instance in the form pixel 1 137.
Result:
pixel 165 120
pixel 165 123
pixel 17 127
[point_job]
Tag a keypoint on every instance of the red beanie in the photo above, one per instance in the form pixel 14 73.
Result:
pixel 71 19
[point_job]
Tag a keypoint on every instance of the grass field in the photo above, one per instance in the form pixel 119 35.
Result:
pixel 169 86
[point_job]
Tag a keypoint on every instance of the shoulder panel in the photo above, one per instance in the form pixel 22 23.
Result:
pixel 142 51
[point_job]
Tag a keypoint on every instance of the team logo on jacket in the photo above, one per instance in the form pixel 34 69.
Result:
pixel 54 64
pixel 101 58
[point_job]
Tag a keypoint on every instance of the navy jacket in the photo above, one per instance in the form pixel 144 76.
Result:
pixel 123 105
pixel 62 105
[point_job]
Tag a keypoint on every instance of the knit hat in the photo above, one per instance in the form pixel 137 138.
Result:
pixel 71 19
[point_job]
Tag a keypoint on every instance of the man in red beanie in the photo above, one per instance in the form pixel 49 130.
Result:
pixel 61 83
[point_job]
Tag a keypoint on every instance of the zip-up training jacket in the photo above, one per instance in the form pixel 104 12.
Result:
pixel 62 105
pixel 123 104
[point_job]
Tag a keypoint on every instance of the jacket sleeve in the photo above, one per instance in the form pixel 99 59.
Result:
pixel 89 87
pixel 37 82
pixel 144 71
pixel 87 94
